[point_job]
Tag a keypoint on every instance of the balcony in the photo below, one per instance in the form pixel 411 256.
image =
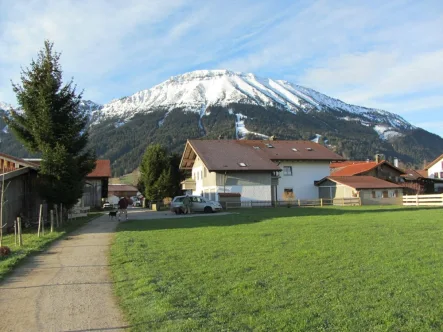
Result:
pixel 188 184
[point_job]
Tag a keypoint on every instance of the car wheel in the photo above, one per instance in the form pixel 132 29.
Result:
pixel 208 209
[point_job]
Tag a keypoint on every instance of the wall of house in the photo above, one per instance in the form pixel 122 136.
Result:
pixel 436 169
pixel 92 193
pixel 330 190
pixel 384 172
pixel 302 179
pixel 249 193
pixel 368 199
pixel 202 177
pixel 21 197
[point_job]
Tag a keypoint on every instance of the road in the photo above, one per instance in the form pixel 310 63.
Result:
pixel 65 288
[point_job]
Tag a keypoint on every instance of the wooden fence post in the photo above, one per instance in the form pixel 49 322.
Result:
pixel 19 229
pixel 56 215
pixel 52 220
pixel 416 200
pixel 40 220
pixel 15 231
pixel 321 201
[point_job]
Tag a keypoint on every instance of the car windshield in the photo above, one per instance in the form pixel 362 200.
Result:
pixel 178 199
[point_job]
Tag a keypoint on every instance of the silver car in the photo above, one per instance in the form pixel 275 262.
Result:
pixel 199 204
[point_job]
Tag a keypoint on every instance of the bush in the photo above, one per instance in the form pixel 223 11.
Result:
pixel 4 251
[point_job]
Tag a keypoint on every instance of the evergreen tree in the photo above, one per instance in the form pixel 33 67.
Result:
pixel 160 176
pixel 52 124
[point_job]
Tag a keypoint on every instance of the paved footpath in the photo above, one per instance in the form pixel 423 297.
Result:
pixel 66 288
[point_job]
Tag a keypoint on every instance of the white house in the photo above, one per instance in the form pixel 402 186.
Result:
pixel 435 171
pixel 257 170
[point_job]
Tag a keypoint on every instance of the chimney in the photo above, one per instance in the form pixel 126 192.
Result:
pixel 396 162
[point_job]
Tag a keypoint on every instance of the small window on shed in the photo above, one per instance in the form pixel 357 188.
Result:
pixel 242 164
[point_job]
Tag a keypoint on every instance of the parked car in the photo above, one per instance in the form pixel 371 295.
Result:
pixel 199 204
pixel 107 205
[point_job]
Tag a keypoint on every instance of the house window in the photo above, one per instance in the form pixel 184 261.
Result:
pixel 441 175
pixel 288 194
pixel 287 170
pixel 436 175
pixel 393 193
pixel 373 194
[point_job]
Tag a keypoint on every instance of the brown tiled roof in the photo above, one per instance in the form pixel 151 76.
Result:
pixel 412 174
pixel 361 182
pixel 226 155
pixel 102 169
pixel 219 155
pixel 121 187
pixel 434 162
pixel 423 173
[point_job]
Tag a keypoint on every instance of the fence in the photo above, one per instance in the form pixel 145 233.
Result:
pixel 295 203
pixel 423 200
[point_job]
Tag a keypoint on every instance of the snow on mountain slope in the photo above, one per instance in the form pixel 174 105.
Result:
pixel 197 90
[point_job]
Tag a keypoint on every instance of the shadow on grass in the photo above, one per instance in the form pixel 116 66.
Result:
pixel 254 215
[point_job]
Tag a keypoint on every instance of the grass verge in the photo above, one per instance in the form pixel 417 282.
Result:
pixel 34 244
pixel 309 269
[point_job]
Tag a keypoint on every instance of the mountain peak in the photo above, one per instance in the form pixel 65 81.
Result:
pixel 196 90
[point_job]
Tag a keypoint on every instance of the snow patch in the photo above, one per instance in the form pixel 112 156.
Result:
pixel 386 132
pixel 316 139
pixel 240 128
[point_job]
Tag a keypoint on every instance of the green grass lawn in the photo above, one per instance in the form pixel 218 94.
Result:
pixel 33 244
pixel 306 269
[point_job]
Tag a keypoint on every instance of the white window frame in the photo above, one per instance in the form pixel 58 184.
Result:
pixel 285 168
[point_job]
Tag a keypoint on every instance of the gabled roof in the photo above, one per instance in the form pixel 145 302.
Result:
pixel 252 155
pixel 360 182
pixel 363 167
pixel 434 162
pixel 102 169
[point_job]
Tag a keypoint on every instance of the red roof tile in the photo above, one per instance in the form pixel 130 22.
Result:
pixel 340 164
pixel 102 169
pixel 354 169
pixel 361 182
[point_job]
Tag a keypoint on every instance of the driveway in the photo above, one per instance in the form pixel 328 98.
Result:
pixel 66 288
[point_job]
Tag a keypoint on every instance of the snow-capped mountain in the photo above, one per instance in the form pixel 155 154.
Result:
pixel 196 91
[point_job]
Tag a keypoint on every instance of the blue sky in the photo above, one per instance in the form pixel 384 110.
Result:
pixel 383 54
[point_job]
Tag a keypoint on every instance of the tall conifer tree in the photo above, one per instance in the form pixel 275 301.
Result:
pixel 52 124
